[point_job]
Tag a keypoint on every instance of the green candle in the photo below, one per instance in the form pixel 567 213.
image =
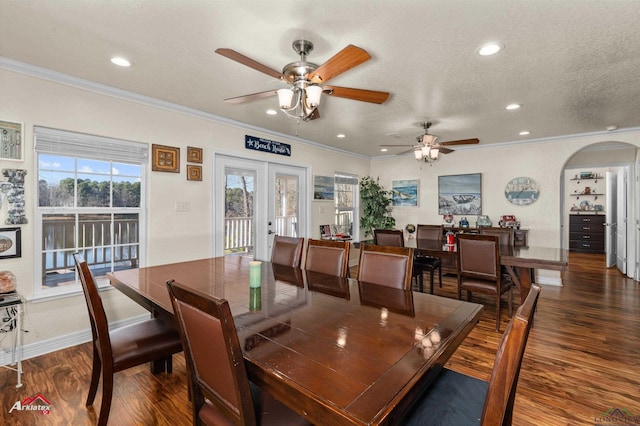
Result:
pixel 255 273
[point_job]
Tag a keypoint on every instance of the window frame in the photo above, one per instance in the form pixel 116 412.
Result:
pixel 341 178
pixel 92 148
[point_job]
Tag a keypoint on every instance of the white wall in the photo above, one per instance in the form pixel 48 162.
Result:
pixel 35 101
pixel 543 160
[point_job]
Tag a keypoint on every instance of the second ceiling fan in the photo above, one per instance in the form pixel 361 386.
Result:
pixel 426 148
pixel 305 80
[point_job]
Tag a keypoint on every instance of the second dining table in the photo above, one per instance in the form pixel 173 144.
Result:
pixel 335 350
pixel 525 260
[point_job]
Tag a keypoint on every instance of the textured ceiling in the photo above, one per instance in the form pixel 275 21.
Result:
pixel 574 65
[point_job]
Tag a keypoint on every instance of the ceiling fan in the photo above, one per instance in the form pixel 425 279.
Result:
pixel 426 148
pixel 305 80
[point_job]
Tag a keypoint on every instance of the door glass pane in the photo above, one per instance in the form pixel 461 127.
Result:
pixel 239 220
pixel 286 194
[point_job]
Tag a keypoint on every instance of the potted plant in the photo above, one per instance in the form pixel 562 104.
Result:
pixel 376 206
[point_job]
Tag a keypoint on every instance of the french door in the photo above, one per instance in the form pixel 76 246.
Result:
pixel 255 200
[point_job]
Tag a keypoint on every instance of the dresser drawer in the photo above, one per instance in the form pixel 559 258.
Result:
pixel 587 246
pixel 587 219
pixel 584 236
pixel 588 228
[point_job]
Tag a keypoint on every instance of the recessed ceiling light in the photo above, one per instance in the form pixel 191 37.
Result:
pixel 272 112
pixel 383 150
pixel 513 106
pixel 341 135
pixel 121 62
pixel 524 133
pixel 489 49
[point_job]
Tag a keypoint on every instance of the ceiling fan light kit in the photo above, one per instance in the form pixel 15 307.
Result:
pixel 302 98
pixel 428 150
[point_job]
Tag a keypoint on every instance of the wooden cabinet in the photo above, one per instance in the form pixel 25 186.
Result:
pixel 586 233
pixel 520 236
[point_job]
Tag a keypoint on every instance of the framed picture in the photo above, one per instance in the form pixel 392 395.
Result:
pixel 323 188
pixel 165 158
pixel 460 194
pixel 194 172
pixel 10 244
pixel 325 231
pixel 194 155
pixel 404 192
pixel 11 140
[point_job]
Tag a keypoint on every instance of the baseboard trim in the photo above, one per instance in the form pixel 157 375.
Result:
pixel 549 281
pixel 43 347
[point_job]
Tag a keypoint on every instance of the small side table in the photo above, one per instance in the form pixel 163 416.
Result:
pixel 14 300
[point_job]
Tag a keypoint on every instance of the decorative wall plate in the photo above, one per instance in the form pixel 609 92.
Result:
pixel 522 191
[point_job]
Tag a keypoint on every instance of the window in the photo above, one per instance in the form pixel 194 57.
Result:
pixel 89 200
pixel 346 198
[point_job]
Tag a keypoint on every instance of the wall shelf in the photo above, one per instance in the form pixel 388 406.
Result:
pixel 586 195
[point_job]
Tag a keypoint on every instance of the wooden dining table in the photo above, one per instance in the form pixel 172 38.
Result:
pixel 523 259
pixel 335 350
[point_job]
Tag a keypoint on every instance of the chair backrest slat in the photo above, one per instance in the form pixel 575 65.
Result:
pixel 386 265
pixel 287 251
pixel 429 232
pixel 498 405
pixel 97 315
pixel 328 257
pixel 214 357
pixel 478 256
pixel 388 237
pixel 505 235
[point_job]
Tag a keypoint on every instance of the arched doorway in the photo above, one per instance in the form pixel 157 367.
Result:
pixel 591 197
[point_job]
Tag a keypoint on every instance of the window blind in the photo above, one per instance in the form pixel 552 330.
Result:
pixel 345 178
pixel 62 142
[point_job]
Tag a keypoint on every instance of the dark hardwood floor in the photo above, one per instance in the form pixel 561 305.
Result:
pixel 582 359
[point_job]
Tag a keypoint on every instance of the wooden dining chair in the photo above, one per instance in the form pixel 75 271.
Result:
pixel 395 238
pixel 219 386
pixel 506 236
pixel 115 350
pixel 328 257
pixel 458 399
pixel 386 265
pixel 388 237
pixel 287 251
pixel 432 234
pixel 479 270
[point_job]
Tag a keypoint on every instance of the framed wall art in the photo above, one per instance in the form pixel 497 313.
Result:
pixel 10 244
pixel 460 194
pixel 11 146
pixel 404 192
pixel 194 172
pixel 165 158
pixel 323 188
pixel 194 155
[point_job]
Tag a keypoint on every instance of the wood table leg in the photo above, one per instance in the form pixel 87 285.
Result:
pixel 523 282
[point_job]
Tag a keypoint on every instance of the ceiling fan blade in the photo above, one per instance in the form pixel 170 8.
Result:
pixel 461 142
pixel 404 152
pixel 251 97
pixel 444 150
pixel 238 57
pixel 394 146
pixel 342 61
pixel 372 96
